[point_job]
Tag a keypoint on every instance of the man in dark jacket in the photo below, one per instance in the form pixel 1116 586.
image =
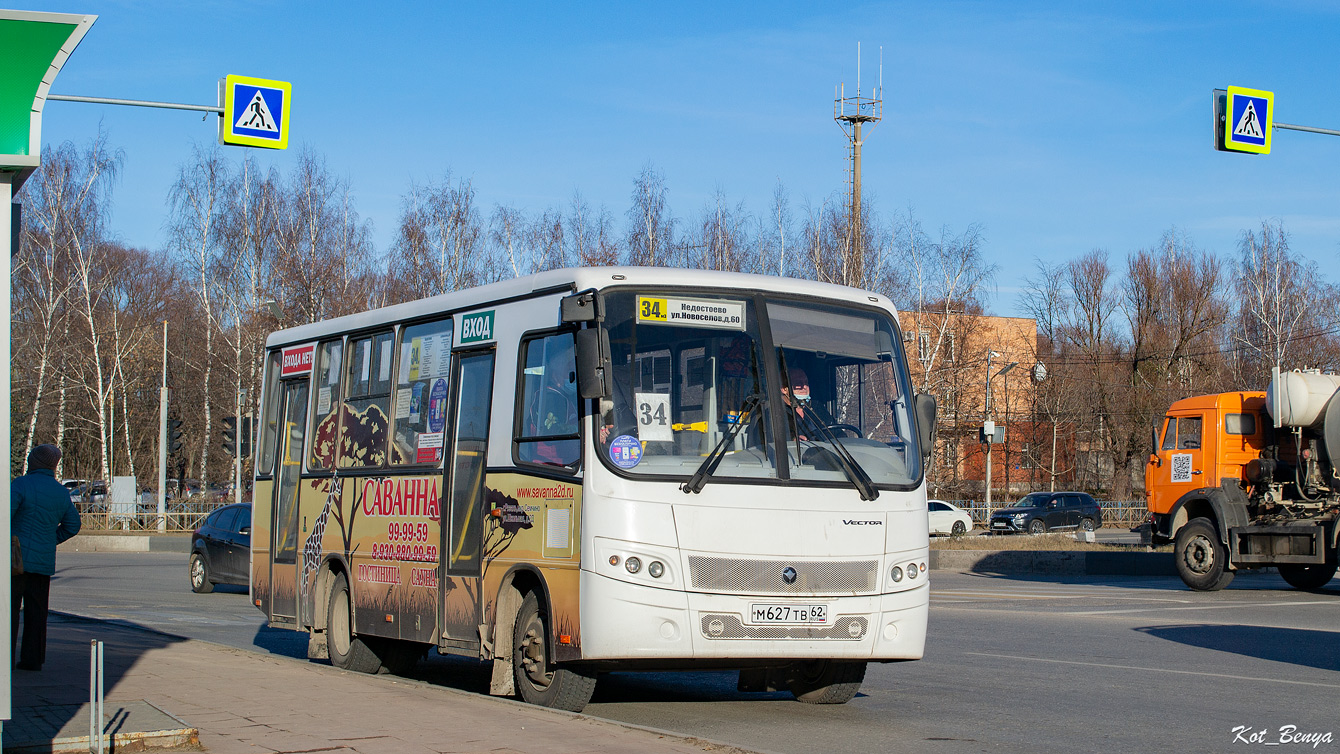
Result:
pixel 42 517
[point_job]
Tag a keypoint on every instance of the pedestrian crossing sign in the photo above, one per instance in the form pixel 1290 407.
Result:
pixel 1249 117
pixel 255 112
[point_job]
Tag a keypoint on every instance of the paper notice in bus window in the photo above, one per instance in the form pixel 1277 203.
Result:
pixel 403 396
pixel 715 313
pixel 323 401
pixel 430 448
pixel 653 417
pixel 409 364
pixel 428 356
pixel 384 373
pixel 333 376
pixel 365 352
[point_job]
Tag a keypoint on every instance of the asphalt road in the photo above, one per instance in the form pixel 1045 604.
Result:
pixel 1012 664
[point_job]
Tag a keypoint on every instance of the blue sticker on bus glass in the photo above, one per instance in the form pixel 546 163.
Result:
pixel 416 403
pixel 625 451
pixel 437 406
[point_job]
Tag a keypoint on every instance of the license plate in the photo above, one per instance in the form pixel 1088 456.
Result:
pixel 999 525
pixel 775 614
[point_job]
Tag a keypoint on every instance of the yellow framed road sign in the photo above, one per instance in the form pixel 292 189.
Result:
pixel 255 112
pixel 1249 118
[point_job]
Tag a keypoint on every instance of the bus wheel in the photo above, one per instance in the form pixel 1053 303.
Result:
pixel 827 681
pixel 538 681
pixel 1307 576
pixel 347 651
pixel 1202 560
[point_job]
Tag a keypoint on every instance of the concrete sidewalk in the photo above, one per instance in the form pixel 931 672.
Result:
pixel 246 702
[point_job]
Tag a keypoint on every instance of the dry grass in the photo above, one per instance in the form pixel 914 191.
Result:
pixel 1050 542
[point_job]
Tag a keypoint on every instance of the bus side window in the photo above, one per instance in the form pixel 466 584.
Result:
pixel 269 433
pixel 547 420
pixel 325 434
pixel 420 404
pixel 367 406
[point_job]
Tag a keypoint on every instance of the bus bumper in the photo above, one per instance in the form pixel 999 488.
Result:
pixel 621 620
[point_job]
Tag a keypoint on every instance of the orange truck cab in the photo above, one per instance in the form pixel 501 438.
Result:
pixel 1205 443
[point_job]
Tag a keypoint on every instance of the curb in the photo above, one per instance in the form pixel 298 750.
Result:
pixel 130 542
pixel 1055 563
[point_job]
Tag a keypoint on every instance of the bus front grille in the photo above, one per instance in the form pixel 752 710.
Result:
pixel 769 576
pixel 728 626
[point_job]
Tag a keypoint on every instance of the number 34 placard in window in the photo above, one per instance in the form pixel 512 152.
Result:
pixel 653 417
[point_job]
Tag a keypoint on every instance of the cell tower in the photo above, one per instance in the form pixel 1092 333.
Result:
pixel 851 113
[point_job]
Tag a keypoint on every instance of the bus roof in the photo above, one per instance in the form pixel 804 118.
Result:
pixel 575 279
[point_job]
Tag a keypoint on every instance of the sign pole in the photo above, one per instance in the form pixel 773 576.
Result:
pixel 162 439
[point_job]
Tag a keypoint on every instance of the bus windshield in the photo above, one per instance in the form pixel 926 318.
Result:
pixel 824 398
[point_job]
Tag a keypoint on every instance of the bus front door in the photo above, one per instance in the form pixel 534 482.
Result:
pixel 284 564
pixel 463 527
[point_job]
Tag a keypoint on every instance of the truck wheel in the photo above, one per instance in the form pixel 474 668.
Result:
pixel 1202 560
pixel 1307 576
pixel 1036 526
pixel 538 681
pixel 347 652
pixel 827 681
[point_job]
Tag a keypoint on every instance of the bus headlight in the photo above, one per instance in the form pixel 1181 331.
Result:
pixel 656 569
pixel 911 570
pixel 896 574
pixel 632 563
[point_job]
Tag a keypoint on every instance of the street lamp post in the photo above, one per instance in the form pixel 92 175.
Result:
pixel 990 438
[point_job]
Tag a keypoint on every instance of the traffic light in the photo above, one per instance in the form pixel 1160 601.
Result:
pixel 174 435
pixel 230 434
pixel 246 437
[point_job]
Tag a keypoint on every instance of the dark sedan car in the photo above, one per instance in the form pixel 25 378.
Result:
pixel 1045 511
pixel 221 548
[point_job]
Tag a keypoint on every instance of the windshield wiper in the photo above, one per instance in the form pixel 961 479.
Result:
pixel 709 465
pixel 859 478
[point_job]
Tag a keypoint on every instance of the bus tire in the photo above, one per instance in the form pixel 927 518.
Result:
pixel 1202 560
pixel 827 681
pixel 1307 577
pixel 347 652
pixel 538 680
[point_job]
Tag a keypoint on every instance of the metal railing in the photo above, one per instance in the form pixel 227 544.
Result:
pixel 182 515
pixel 1116 513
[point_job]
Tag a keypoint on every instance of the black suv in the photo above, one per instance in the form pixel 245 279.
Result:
pixel 1044 511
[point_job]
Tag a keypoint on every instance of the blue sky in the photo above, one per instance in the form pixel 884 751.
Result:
pixel 1059 127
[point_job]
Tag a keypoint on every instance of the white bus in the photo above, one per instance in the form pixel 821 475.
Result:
pixel 601 469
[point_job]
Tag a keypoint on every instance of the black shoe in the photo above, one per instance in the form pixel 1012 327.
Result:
pixel 28 666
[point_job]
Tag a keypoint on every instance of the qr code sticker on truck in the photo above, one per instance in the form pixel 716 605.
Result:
pixel 1181 467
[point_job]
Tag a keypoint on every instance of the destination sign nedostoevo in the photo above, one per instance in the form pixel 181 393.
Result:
pixel 716 313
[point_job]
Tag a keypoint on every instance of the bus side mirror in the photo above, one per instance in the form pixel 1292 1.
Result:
pixel 594 370
pixel 924 405
pixel 580 307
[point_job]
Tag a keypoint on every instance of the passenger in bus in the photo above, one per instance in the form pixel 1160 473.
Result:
pixel 796 398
